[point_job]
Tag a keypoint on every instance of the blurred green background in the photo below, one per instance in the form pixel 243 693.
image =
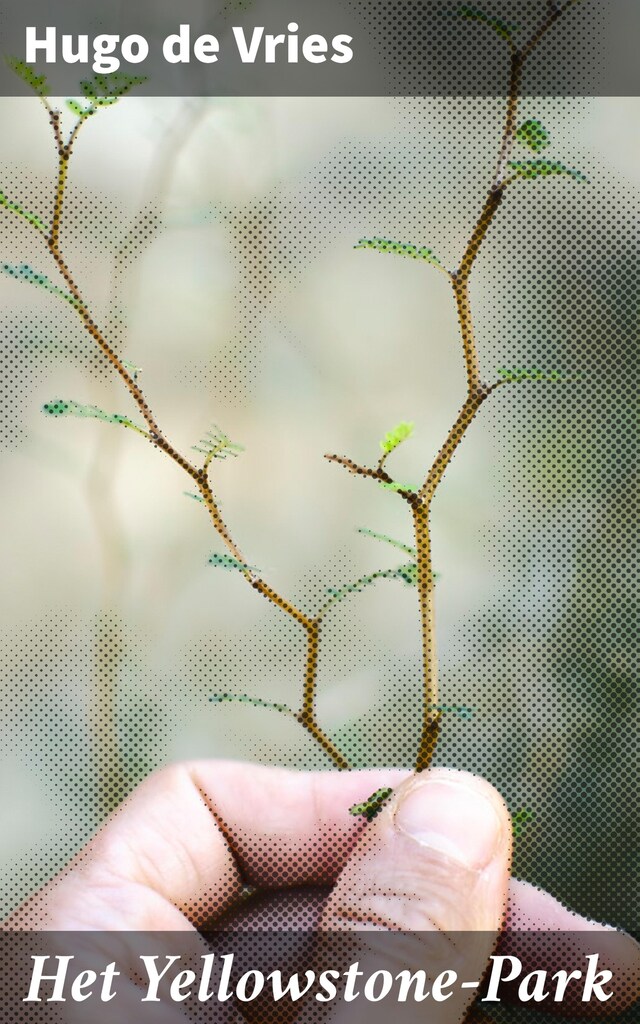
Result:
pixel 214 240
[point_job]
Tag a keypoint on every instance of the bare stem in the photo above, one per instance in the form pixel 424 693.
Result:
pixel 477 393
pixel 54 118
pixel 453 439
pixel 63 170
pixel 555 11
pixel 307 716
pixel 467 333
pixel 511 118
pixel 430 723
pixel 378 474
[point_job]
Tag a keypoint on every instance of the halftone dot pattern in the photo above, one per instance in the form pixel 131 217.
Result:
pixel 539 247
pixel 459 53
pixel 537 687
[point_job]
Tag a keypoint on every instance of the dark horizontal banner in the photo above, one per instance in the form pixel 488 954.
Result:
pixel 337 48
pixel 304 976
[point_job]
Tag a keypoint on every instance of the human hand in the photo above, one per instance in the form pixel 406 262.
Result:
pixel 181 851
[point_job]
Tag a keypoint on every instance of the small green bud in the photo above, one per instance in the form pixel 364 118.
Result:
pixel 372 806
pixel 395 437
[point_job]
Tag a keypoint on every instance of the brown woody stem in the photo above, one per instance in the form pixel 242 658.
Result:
pixel 426 597
pixel 477 392
pixel 378 474
pixel 467 334
pixel 462 423
pixel 307 716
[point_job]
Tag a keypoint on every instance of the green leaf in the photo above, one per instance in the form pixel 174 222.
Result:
pixel 31 218
pixel 230 564
pixel 399 249
pixel 503 28
pixel 194 497
pixel 533 134
pixel 339 593
pixel 256 702
pixel 80 111
pixel 30 276
pixel 372 806
pixel 394 437
pixel 36 82
pixel 216 445
pixel 61 407
pixel 107 89
pixel 408 550
pixel 407 574
pixel 543 169
pixel 461 710
pixel 131 368
pixel 395 486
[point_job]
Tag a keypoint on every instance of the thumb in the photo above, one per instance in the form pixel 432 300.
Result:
pixel 436 862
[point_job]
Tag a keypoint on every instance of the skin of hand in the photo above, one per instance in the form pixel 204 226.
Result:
pixel 179 854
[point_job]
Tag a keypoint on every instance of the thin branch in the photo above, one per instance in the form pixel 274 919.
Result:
pixel 462 423
pixel 256 702
pixel 378 474
pixel 211 455
pixel 133 426
pixel 554 13
pixel 327 744
pixel 461 277
pixel 307 715
pixel 467 334
pixel 280 602
pixel 307 711
pixel 477 392
pixel 201 479
pixel 256 582
pixel 156 435
pixel 398 544
pixel 54 118
pixel 20 211
pixel 511 120
pixel 353 467
pixel 460 282
pixel 356 587
pixel 478 235
pixel 74 133
pixel 63 169
pixel 306 720
pixel 430 719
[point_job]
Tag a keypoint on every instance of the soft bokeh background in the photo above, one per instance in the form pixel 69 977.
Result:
pixel 214 239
